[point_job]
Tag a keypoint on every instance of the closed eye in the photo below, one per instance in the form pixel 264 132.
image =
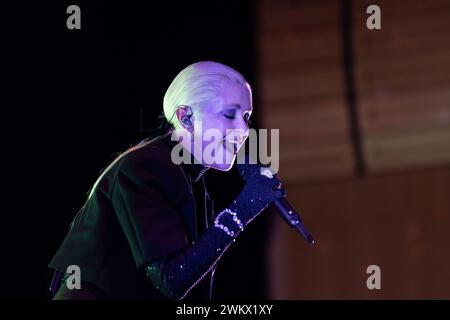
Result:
pixel 230 114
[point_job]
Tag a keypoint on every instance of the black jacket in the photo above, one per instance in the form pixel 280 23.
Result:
pixel 144 208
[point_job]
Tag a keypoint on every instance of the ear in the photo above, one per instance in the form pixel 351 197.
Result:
pixel 184 116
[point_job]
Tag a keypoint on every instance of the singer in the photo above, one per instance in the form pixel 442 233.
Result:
pixel 148 229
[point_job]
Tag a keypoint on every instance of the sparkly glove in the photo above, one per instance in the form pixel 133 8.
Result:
pixel 175 275
pixel 261 189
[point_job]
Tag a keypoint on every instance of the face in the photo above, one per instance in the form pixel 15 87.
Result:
pixel 223 125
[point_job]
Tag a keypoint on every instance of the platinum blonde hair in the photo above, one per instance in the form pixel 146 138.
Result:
pixel 195 86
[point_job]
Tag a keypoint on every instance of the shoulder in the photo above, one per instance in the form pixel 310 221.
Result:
pixel 154 156
pixel 149 163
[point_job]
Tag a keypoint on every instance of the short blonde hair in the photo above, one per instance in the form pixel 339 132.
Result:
pixel 197 86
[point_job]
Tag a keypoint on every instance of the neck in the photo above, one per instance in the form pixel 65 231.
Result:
pixel 191 158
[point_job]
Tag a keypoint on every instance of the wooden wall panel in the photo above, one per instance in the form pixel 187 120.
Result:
pixel 403 84
pixel 399 222
pixel 302 88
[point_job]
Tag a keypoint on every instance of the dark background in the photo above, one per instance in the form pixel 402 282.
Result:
pixel 78 97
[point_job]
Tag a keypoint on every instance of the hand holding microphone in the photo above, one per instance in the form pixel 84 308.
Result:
pixel 261 189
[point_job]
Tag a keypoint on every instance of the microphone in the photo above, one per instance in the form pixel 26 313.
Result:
pixel 282 206
pixel 288 213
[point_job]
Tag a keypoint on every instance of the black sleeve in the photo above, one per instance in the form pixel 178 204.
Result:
pixel 157 236
pixel 151 225
pixel 175 275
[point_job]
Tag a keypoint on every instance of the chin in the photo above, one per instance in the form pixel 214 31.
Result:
pixel 223 166
pixel 226 163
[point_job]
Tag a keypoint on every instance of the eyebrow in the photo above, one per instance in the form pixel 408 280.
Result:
pixel 235 105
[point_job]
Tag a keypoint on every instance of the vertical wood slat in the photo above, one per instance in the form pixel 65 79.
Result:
pixel 302 88
pixel 403 84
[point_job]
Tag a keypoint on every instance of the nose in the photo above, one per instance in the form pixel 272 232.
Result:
pixel 242 127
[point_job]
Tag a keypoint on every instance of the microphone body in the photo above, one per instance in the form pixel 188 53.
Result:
pixel 288 213
pixel 282 206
